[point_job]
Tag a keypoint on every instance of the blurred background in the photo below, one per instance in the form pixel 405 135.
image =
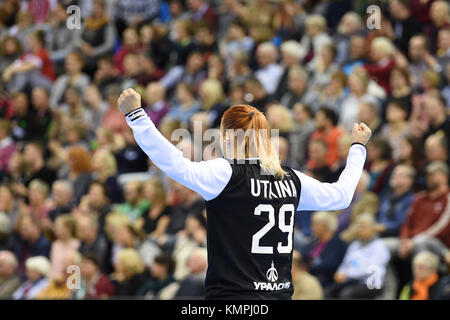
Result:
pixel 84 214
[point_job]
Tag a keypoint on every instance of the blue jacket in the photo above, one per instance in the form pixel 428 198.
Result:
pixel 392 213
pixel 325 265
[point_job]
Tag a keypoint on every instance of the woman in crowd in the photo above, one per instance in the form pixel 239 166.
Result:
pixel 37 271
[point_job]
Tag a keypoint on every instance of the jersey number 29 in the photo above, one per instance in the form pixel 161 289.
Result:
pixel 289 228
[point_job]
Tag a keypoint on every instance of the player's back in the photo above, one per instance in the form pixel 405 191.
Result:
pixel 250 235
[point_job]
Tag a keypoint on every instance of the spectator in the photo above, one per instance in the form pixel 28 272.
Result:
pixel 426 283
pixel 303 127
pixel 9 281
pixel 94 284
pixel 328 131
pixel 37 207
pixel 396 128
pixel 37 269
pixel 352 278
pixel 155 99
pixel 325 251
pixel 128 274
pixel 157 219
pixel 192 286
pixel 306 286
pixel 30 241
pixel 436 147
pixel 269 72
pixel 161 275
pixel 79 171
pixel 349 26
pixel 405 24
pixel 368 113
pixel 135 205
pixel 382 55
pixel 394 208
pixel 422 231
pixel 10 49
pixel 291 55
pixel 379 165
pixel 62 195
pixel 97 36
pixel 95 105
pixel 437 114
pixel 57 288
pixel 323 67
pixel 92 240
pixel 64 245
pixel 72 77
pixel 41 117
pixel 105 169
pixel 97 203
pixel 212 97
pixel 297 88
pixel 315 36
pixel 33 68
pixel 186 104
pixel 7 147
pixel 134 13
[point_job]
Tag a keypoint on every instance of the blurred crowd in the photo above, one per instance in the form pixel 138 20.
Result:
pixel 84 213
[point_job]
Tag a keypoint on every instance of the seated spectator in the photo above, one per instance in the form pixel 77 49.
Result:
pixel 269 72
pixel 64 245
pixel 10 49
pixel 365 255
pixel 130 157
pixel 156 220
pixel 297 89
pixel 62 195
pixel 73 76
pixel 58 288
pixel 63 40
pixel 279 118
pixel 79 171
pixel 9 281
pixel 368 113
pixel 97 36
pixel 306 286
pixel 135 205
pixel 412 153
pixel 327 130
pixel 325 250
pixel 322 69
pixel 212 100
pixel 424 227
pixel 94 284
pixel 39 128
pixel 37 270
pixel 33 68
pixel 113 119
pixel 400 84
pixel 95 104
pixel 92 239
pixel 379 165
pixel 130 45
pixel 436 148
pixel 255 94
pixel 97 203
pixel 382 56
pixel 315 36
pixel 155 100
pixel 397 126
pixel 128 274
pixel 356 54
pixel 29 241
pixel 193 285
pixel 161 275
pixel 186 104
pixel 303 127
pixel 318 150
pixel 436 110
pixel 333 94
pixel 7 147
pixel 188 201
pixel 358 84
pixel 21 119
pixel 38 206
pixel 193 236
pixel 426 284
pixel 104 166
pixel 394 208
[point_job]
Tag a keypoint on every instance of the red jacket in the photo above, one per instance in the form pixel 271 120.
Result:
pixel 428 216
pixel 381 73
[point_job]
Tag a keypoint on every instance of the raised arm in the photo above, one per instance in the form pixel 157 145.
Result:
pixel 316 195
pixel 207 178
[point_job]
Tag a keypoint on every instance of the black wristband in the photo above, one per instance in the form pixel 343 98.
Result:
pixel 133 111
pixel 358 143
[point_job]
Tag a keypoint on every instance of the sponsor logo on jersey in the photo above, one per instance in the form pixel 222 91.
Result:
pixel 272 276
pixel 136 115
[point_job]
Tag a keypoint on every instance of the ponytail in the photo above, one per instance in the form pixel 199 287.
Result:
pixel 245 117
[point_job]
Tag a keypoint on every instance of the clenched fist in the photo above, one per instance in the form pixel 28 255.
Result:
pixel 129 100
pixel 361 133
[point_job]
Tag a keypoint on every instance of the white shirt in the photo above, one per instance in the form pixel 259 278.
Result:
pixel 209 178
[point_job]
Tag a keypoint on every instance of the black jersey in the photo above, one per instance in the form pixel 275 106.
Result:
pixel 250 235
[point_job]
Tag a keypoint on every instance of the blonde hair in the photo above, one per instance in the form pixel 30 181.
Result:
pixel 428 258
pixel 384 45
pixel 39 185
pixel 252 122
pixel 285 122
pixel 132 262
pixel 317 20
pixel 213 93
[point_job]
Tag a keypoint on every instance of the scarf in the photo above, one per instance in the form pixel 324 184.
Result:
pixel 95 23
pixel 421 287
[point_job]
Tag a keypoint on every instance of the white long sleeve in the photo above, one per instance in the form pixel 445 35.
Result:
pixel 207 178
pixel 316 195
